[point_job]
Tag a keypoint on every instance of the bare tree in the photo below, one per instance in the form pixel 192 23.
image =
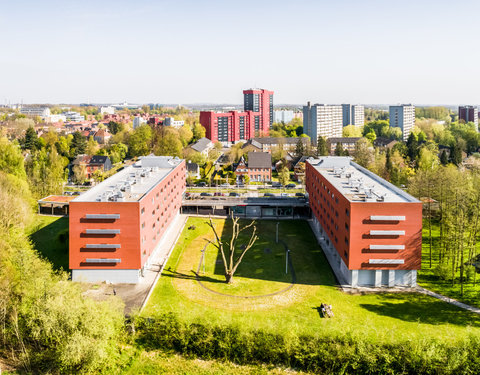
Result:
pixel 228 255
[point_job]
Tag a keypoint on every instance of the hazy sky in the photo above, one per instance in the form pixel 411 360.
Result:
pixel 182 51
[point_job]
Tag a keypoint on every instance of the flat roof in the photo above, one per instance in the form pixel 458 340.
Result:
pixel 133 182
pixel 356 183
pixel 57 199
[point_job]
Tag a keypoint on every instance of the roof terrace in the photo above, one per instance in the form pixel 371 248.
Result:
pixel 133 182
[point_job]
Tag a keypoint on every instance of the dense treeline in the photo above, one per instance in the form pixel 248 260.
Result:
pixel 318 354
pixel 453 204
pixel 47 325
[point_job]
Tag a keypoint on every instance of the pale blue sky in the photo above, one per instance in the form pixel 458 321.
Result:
pixel 184 51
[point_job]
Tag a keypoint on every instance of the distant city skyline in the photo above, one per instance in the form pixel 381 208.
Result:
pixel 190 52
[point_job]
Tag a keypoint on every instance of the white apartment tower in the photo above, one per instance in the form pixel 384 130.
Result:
pixel 403 116
pixel 353 114
pixel 322 120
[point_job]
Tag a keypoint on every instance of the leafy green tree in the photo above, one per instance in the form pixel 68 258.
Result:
pixel 339 149
pixel 78 145
pixel 352 131
pixel 115 127
pixel 139 143
pixel 456 154
pixel 363 152
pixel 186 135
pixel 169 144
pixel 117 152
pixel 412 146
pixel 30 142
pixel 92 146
pixel 322 149
pixel 300 148
pixel 371 135
pixel 46 172
pixel 444 157
pixel 11 159
pixel 198 131
pixel 284 176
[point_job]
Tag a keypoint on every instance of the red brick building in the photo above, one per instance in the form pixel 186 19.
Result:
pixel 258 168
pixel 372 230
pixel 234 126
pixel 117 225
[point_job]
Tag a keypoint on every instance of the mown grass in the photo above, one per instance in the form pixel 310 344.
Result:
pixel 386 317
pixel 428 279
pixel 157 362
pixel 49 235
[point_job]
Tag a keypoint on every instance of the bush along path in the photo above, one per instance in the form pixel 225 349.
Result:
pixel 319 354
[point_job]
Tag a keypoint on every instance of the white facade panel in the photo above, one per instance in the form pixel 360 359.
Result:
pixel 113 276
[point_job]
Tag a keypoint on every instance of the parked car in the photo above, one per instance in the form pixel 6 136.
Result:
pixel 202 184
pixel 205 194
pixel 290 186
pixel 240 184
pixel 268 195
pixel 276 184
pixel 225 185
pixel 218 194
pixel 284 195
pixel 300 195
pixel 233 194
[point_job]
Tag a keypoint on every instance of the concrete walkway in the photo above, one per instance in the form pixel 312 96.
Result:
pixel 449 300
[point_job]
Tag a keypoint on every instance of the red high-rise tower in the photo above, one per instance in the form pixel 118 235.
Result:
pixel 234 126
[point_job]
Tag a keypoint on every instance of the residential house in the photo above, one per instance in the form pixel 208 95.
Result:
pixel 92 163
pixel 258 168
pixel 102 136
pixel 384 142
pixel 203 146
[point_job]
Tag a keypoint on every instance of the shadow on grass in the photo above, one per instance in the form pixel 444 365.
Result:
pixel 422 309
pixel 266 260
pixel 193 276
pixel 51 242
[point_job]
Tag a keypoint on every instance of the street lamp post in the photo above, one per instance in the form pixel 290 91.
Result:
pixel 286 261
pixel 276 236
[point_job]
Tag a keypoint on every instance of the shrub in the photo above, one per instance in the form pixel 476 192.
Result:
pixel 309 353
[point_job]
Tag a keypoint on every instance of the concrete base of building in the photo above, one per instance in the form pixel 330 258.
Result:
pixel 109 276
pixel 360 278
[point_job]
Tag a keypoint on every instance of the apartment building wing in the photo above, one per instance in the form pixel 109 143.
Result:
pixel 116 226
pixel 347 143
pixel 322 120
pixel 372 230
pixel 402 116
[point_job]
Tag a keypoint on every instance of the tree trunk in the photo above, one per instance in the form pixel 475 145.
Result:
pixel 229 278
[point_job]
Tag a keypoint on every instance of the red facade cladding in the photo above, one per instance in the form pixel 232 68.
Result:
pixel 142 225
pixel 265 108
pixel 348 226
pixel 209 120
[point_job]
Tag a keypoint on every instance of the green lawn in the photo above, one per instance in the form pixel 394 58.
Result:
pixel 45 235
pixel 427 279
pixel 162 363
pixel 380 317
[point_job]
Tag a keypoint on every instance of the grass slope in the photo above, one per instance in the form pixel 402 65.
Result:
pixel 44 233
pixel 380 317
